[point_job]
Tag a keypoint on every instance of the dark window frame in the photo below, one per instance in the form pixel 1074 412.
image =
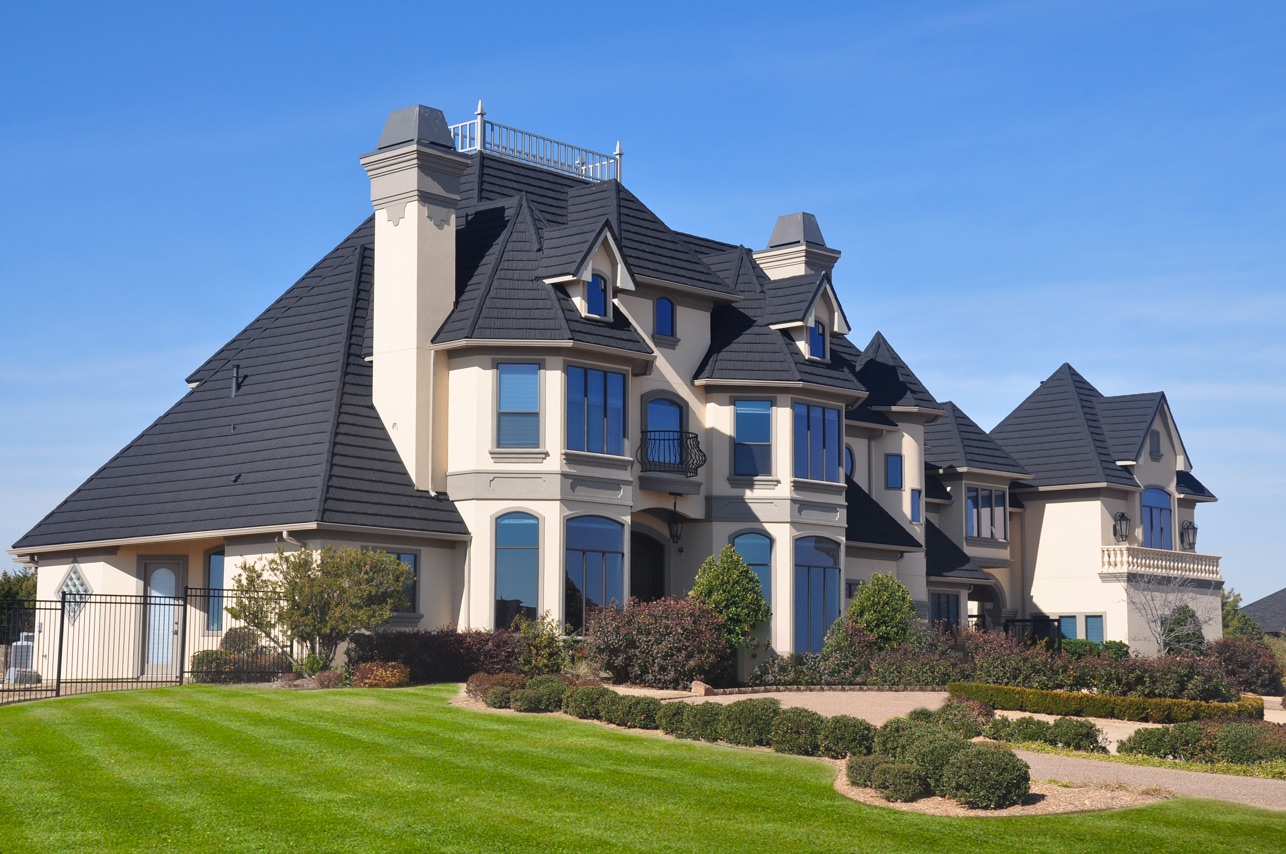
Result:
pixel 501 413
pixel 656 318
pixel 585 421
pixel 821 460
pixel 901 472
pixel 497 548
pixel 737 443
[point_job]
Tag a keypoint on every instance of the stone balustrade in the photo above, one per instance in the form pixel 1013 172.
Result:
pixel 1126 559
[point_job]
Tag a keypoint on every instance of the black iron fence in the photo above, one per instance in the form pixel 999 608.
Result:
pixel 1034 630
pixel 103 642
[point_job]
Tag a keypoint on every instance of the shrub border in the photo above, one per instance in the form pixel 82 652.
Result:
pixel 1143 709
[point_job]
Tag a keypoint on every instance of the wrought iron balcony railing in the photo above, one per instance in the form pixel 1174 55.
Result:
pixel 670 451
pixel 505 141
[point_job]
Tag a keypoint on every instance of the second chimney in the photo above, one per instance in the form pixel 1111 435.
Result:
pixel 796 247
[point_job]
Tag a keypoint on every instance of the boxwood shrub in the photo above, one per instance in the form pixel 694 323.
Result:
pixel 551 690
pixel 899 781
pixel 1150 709
pixel 966 718
pixel 635 712
pixel 895 737
pixel 702 721
pixel 931 749
pixel 586 702
pixel 861 769
pixel 797 731
pixel 671 718
pixel 1078 734
pixel 749 722
pixel 498 697
pixel 526 700
pixel 844 735
pixel 986 776
pixel 1238 743
pixel 479 685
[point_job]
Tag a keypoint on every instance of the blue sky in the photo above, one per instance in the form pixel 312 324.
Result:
pixel 1013 185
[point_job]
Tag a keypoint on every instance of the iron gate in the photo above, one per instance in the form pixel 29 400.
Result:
pixel 102 642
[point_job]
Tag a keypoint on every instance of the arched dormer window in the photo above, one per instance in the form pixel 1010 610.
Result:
pixel 1156 520
pixel 817 340
pixel 596 297
pixel 665 317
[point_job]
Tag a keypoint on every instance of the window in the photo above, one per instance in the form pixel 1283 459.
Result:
pixel 214 580
pixel 595 411
pixel 752 442
pixel 664 317
pixel 1156 519
pixel 756 550
pixel 817 602
pixel 816 442
pixel 595 565
pixel 411 589
pixel 986 513
pixel 518 406
pixel 517 568
pixel 915 505
pixel 1094 628
pixel 892 471
pixel 848 461
pixel 1067 627
pixel 1154 444
pixel 817 340
pixel 664 439
pixel 944 610
pixel 596 296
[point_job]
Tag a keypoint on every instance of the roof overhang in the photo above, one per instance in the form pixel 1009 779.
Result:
pixel 978 470
pixel 629 356
pixel 853 397
pixel 688 289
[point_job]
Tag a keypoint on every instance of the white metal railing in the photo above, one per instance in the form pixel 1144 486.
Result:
pixel 526 147
pixel 1159 562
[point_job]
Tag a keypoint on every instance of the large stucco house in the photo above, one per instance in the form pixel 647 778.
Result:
pixel 518 378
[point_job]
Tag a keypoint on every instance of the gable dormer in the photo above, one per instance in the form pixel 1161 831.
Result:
pixel 588 265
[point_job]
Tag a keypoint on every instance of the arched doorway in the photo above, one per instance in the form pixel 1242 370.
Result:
pixel 647 567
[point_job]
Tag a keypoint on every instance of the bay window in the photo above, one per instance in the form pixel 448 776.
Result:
pixel 595 411
pixel 986 513
pixel 817 443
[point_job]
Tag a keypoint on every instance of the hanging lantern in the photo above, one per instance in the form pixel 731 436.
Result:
pixel 1188 536
pixel 676 522
pixel 1121 527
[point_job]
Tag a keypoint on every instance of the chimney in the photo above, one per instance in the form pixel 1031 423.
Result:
pixel 796 247
pixel 415 189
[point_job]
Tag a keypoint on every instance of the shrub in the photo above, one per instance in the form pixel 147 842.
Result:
pixel 212 666
pixel 541 648
pixel 964 717
pixel 1148 741
pixel 796 668
pixel 1077 734
pixel 899 782
pixel 440 655
pixel 498 698
pixel 931 750
pixel 526 700
pixel 1079 648
pixel 895 737
pixel 1250 667
pixel 861 769
pixel 1181 631
pixel 668 643
pixel 240 640
pixel 329 679
pixel 1153 710
pixel 607 705
pixel 702 720
pixel 1116 649
pixel 550 688
pixel 727 585
pixel 987 776
pixel 797 731
pixel 920 715
pixel 1239 743
pixel 381 674
pixel 843 735
pixel 587 702
pixel 312 664
pixel 637 712
pixel 999 659
pixel 1025 728
pixel 749 722
pixel 670 719
pixel 480 684
pixel 883 609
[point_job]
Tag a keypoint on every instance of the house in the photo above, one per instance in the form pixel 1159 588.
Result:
pixel 1269 612
pixel 519 379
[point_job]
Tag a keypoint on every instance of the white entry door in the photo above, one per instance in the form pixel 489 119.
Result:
pixel 161 633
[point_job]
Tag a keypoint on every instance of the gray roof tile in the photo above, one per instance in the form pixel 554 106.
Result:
pixel 888 379
pixel 868 522
pixel 954 441
pixel 1269 612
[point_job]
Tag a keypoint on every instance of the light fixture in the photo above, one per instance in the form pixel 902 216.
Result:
pixel 676 521
pixel 1121 527
pixel 1188 536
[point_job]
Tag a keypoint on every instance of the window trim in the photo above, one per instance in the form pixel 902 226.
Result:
pixel 839 438
pixel 395 551
pixel 540 406
pixel 972 528
pixel 495 547
pixel 901 471
pixel 794 585
pixel 625 411
pixel 626 530
pixel 772 437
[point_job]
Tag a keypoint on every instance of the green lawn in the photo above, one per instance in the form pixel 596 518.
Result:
pixel 205 768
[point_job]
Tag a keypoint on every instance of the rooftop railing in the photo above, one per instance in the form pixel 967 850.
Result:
pixel 526 147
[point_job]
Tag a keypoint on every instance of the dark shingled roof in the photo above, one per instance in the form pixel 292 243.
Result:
pixel 868 522
pixel 1126 419
pixel 1190 486
pixel 300 441
pixel 888 379
pixel 1269 612
pixel 944 559
pixel 1057 435
pixel 954 441
pixel 793 296
pixel 934 488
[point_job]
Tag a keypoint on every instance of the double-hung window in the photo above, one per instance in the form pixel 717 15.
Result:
pixel 518 405
pixel 595 411
pixel 817 442
pixel 752 438
pixel 986 513
pixel 892 471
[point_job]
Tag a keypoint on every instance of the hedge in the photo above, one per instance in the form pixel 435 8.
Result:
pixel 1148 709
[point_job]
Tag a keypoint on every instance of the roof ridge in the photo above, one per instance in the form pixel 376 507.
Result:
pixel 344 356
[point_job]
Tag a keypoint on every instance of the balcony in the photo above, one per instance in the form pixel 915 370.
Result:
pixel 1131 559
pixel 671 452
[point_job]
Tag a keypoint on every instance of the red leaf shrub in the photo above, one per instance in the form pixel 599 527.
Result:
pixel 381 674
pixel 439 655
pixel 480 684
pixel 668 643
pixel 1249 666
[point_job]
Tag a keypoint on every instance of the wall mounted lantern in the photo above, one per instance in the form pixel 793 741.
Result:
pixel 1121 527
pixel 1188 536
pixel 676 521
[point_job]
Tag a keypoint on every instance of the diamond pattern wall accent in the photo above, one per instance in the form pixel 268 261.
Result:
pixel 76 590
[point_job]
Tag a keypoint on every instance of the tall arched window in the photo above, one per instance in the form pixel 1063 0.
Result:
pixel 816 591
pixel 517 568
pixel 664 439
pixel 756 550
pixel 595 565
pixel 1156 519
pixel 664 317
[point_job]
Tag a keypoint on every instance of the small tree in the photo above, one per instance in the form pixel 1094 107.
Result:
pixel 318 598
pixel 1235 623
pixel 1159 598
pixel 729 587
pixel 883 610
pixel 19 584
pixel 1181 632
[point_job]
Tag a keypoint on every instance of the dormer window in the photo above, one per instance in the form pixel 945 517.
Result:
pixel 817 340
pixel 1154 444
pixel 665 317
pixel 596 296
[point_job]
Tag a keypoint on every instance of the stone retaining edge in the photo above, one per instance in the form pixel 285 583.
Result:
pixel 700 689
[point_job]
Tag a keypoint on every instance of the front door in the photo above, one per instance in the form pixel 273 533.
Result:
pixel 647 567
pixel 162 614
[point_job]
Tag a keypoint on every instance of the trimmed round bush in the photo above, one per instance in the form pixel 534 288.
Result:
pixel 861 769
pixel 498 698
pixel 899 781
pixel 636 712
pixel 749 722
pixel 1021 729
pixel 607 704
pixel 241 640
pixel 845 735
pixel 957 717
pixel 931 751
pixel 987 776
pixel 480 684
pixel 586 703
pixel 895 737
pixel 526 700
pixel 702 720
pixel 1078 734
pixel 381 674
pixel 1148 741
pixel 798 731
pixel 920 715
pixel 1238 743
pixel 551 690
pixel 670 720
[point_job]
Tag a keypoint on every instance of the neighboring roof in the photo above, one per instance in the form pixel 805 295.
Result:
pixel 1057 434
pixel 1269 612
pixel 1126 419
pixel 1190 486
pixel 868 522
pixel 300 441
pixel 954 441
pixel 944 559
pixel 888 379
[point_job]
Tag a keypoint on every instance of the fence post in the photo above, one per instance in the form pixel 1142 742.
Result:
pixel 62 632
pixel 183 631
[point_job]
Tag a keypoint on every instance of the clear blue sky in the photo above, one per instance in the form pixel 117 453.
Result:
pixel 1013 185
